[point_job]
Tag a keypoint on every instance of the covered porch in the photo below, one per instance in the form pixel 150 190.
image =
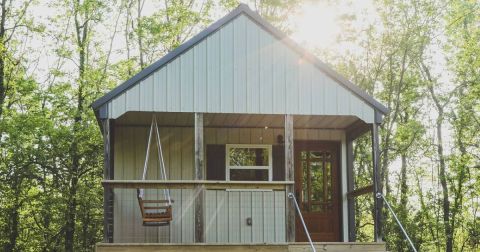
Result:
pixel 211 207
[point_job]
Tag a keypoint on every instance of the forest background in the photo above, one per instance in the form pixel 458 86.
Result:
pixel 421 58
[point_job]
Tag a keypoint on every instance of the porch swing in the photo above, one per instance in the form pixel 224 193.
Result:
pixel 155 212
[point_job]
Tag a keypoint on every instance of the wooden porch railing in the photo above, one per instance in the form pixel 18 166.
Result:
pixel 190 184
pixel 360 191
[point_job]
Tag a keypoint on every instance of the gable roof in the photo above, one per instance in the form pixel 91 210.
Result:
pixel 241 9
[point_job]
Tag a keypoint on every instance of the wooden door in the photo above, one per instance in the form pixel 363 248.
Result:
pixel 317 190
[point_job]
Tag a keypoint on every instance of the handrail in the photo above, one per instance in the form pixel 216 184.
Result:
pixel 291 196
pixel 190 184
pixel 360 192
pixel 380 195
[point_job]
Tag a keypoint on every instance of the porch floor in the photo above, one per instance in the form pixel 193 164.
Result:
pixel 290 247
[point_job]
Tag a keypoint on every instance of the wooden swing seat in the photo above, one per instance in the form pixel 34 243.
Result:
pixel 155 215
pixel 152 213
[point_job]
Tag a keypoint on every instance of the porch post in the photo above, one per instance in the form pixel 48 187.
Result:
pixel 289 176
pixel 199 175
pixel 108 173
pixel 377 186
pixel 352 233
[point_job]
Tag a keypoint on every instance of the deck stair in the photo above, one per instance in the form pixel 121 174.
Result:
pixel 291 247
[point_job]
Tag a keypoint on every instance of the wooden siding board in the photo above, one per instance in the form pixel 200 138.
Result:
pixel 269 228
pixel 257 217
pixel 342 101
pixel 292 80
pixel 222 217
pixel 187 215
pixel 166 139
pixel 318 92
pixel 200 76
pixel 213 73
pixel 130 210
pixel 245 212
pixel 173 86
pixel 226 68
pixel 118 193
pixel 146 94
pixel 140 151
pixel 186 81
pixel 210 215
pixel 266 73
pixel 252 74
pixel 330 97
pixel 305 87
pixel 234 234
pixel 239 73
pixel 176 194
pixel 279 75
pixel 160 90
pixel 279 216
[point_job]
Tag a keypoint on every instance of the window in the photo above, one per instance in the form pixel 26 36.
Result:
pixel 248 162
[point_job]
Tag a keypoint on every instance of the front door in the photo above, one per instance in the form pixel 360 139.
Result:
pixel 316 187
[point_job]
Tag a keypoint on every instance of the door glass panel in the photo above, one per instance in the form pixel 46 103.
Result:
pixel 316 180
pixel 304 196
pixel 316 190
pixel 328 168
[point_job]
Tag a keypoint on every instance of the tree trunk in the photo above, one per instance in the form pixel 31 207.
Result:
pixel 82 45
pixel 13 218
pixel 140 33
pixel 443 182
pixel 3 88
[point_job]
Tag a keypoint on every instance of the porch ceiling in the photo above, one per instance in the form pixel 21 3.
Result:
pixel 236 120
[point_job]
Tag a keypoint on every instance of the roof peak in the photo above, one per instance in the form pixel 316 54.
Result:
pixel 242 8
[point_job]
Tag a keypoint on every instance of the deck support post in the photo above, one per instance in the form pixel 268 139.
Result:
pixel 377 185
pixel 108 173
pixel 352 234
pixel 199 175
pixel 289 176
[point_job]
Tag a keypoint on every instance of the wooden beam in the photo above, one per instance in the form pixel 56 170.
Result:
pixel 108 173
pixel 377 185
pixel 356 129
pixel 290 177
pixel 352 233
pixel 360 191
pixel 199 175
pixel 191 184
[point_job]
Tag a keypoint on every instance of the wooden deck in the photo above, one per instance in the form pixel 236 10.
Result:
pixel 292 247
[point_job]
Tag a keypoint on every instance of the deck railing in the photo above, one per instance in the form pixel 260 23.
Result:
pixel 190 184
pixel 292 197
pixel 380 195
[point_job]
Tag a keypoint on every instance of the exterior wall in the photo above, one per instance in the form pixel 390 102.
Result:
pixel 130 147
pixel 226 211
pixel 240 69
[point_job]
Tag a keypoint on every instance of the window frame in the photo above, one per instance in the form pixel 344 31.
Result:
pixel 228 167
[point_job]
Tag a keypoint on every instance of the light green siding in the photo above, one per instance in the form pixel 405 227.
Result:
pixel 241 68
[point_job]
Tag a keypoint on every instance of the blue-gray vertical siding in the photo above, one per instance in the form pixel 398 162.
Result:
pixel 240 69
pixel 226 211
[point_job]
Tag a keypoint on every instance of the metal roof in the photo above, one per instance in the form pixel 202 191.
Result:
pixel 241 9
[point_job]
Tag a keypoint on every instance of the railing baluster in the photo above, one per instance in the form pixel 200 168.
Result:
pixel 291 196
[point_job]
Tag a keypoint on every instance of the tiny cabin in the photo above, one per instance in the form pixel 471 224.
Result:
pixel 241 138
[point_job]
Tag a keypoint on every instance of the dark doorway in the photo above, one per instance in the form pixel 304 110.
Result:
pixel 317 189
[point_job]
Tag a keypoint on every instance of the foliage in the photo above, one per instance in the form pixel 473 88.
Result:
pixel 420 58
